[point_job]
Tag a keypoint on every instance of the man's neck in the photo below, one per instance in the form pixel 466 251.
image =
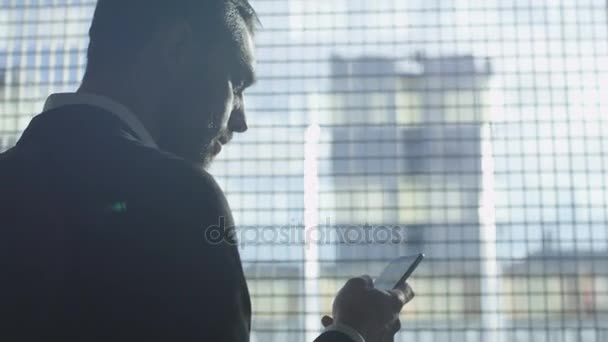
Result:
pixel 126 95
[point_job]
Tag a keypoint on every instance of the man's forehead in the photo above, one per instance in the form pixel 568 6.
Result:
pixel 244 45
pixel 243 50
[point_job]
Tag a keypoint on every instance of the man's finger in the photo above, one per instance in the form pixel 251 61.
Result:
pixel 392 329
pixel 402 295
pixel 368 281
pixel 362 282
pixel 407 291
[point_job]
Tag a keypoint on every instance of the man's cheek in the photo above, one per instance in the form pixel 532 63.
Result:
pixel 225 117
pixel 228 104
pixel 221 115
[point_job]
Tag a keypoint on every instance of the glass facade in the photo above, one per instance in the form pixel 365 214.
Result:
pixel 472 131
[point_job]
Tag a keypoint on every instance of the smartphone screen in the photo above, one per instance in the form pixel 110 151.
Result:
pixel 397 271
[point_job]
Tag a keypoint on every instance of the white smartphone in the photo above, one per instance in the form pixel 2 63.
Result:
pixel 397 272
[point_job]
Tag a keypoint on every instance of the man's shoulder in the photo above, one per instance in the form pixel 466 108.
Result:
pixel 173 184
pixel 89 149
pixel 182 195
pixel 182 178
pixel 106 144
pixel 176 193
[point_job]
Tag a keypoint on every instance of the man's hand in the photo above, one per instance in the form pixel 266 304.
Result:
pixel 373 313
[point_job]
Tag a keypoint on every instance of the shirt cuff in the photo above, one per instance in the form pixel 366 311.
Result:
pixel 346 330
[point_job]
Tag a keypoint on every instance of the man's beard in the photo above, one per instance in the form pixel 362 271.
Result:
pixel 196 152
pixel 206 157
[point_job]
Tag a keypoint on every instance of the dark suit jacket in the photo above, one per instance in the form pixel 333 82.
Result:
pixel 102 239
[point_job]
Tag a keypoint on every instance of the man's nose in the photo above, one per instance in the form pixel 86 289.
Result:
pixel 238 121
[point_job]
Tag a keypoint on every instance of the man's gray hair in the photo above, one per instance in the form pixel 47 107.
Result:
pixel 121 27
pixel 246 11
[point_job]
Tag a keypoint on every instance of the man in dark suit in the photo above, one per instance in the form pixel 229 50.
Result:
pixel 104 200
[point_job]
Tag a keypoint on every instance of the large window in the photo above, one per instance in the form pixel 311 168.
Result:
pixel 475 131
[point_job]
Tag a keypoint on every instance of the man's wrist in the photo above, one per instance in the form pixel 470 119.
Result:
pixel 346 330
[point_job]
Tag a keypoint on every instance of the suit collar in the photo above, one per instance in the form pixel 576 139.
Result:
pixel 123 113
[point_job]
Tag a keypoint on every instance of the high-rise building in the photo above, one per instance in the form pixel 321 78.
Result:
pixel 41 56
pixel 558 286
pixel 406 156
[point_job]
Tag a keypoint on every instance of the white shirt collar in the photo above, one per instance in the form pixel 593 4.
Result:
pixel 103 102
